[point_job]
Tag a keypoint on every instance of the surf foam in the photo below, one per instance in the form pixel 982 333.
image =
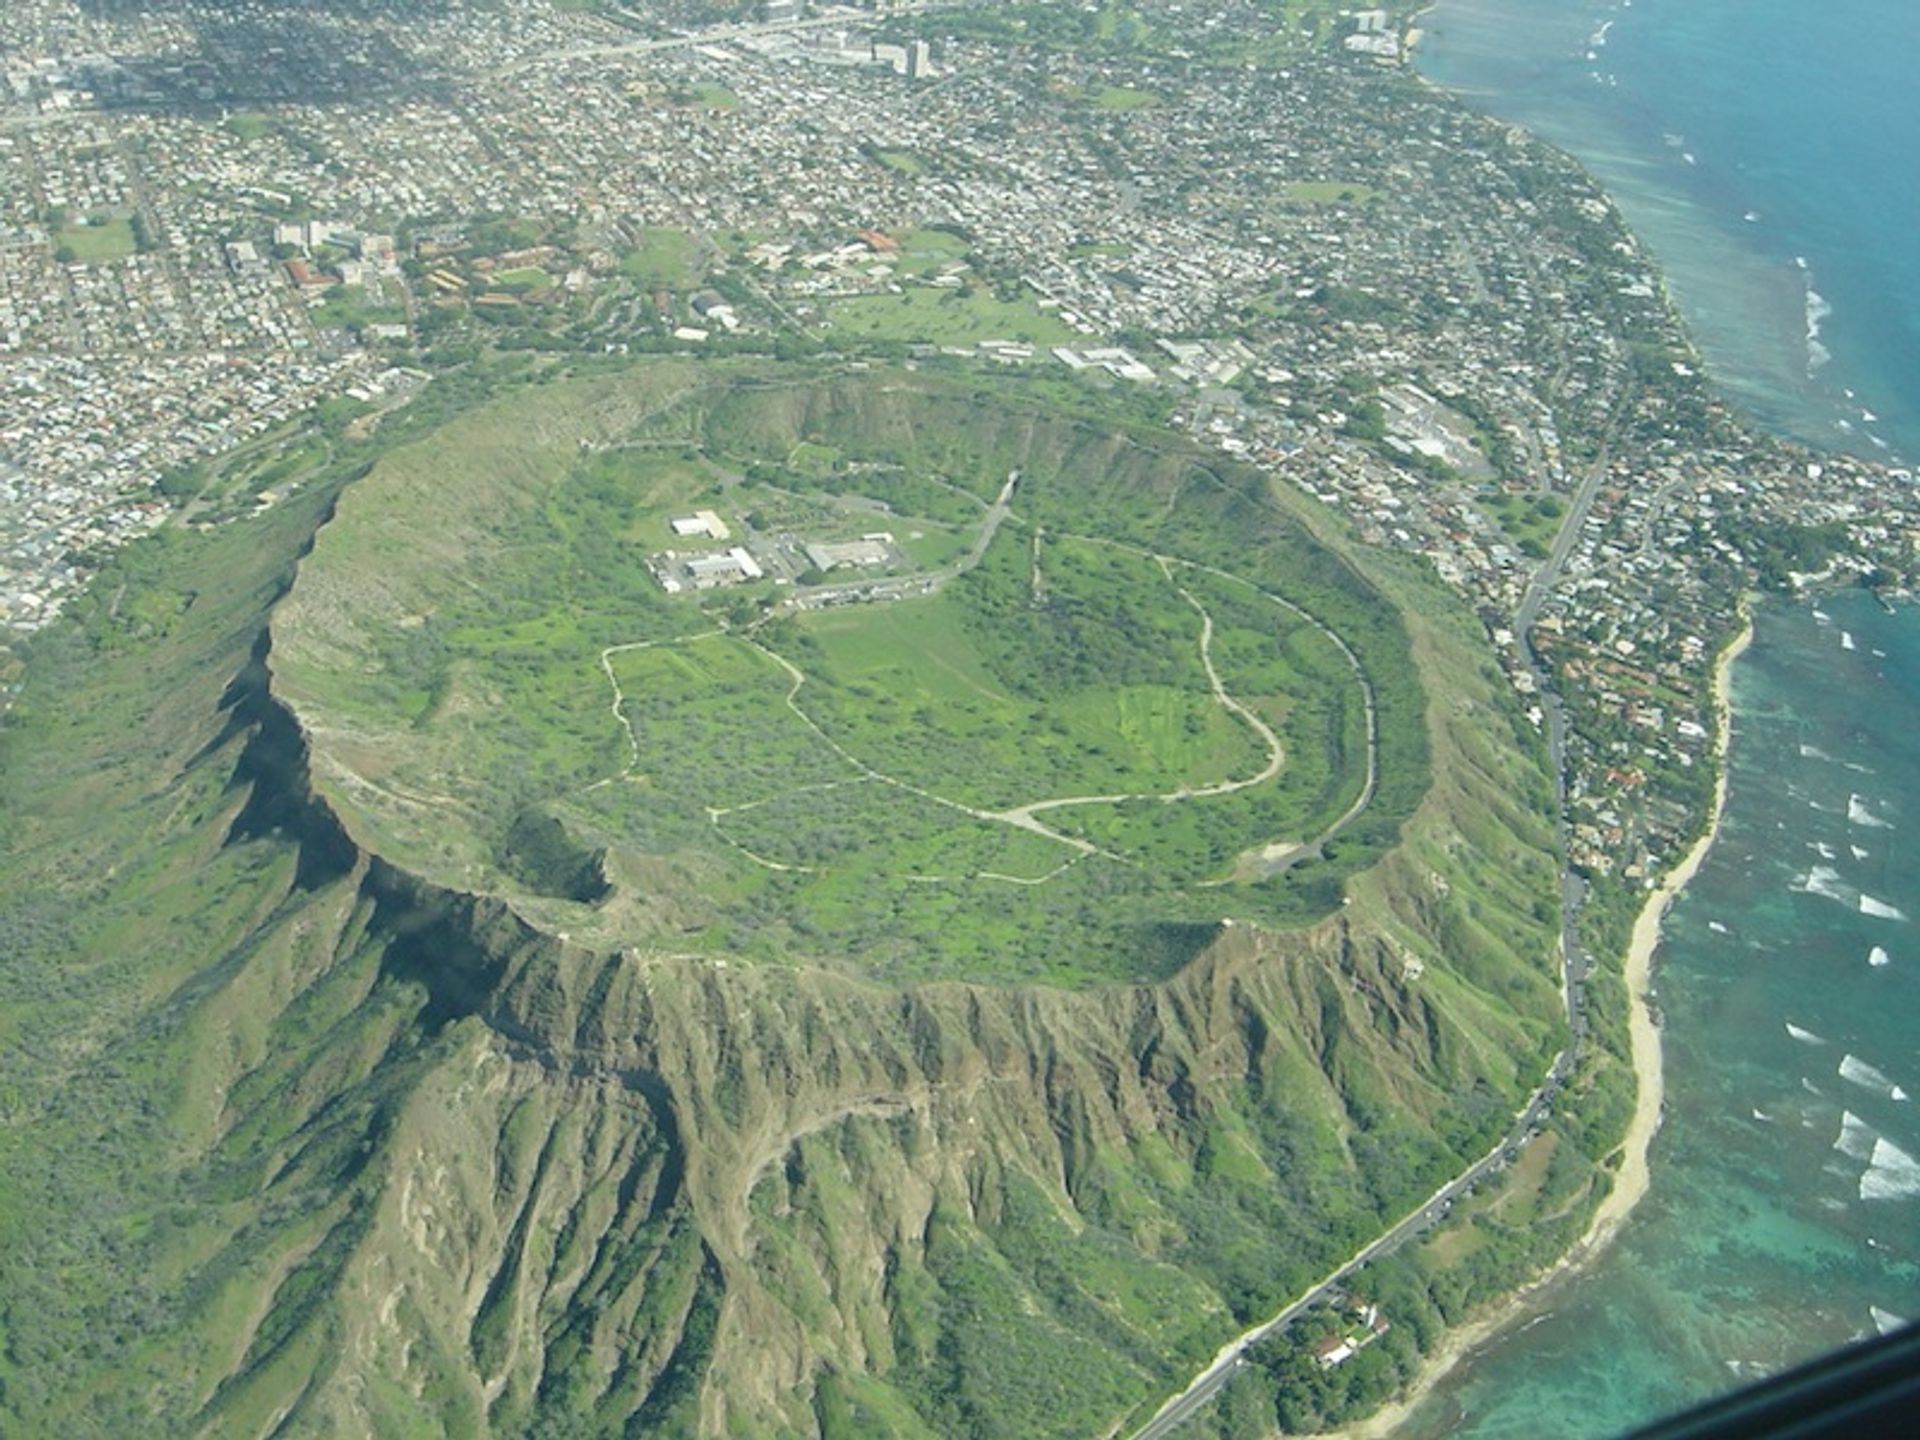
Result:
pixel 1893 1174
pixel 1817 312
pixel 1858 813
pixel 1824 880
pixel 1857 1138
pixel 1869 1077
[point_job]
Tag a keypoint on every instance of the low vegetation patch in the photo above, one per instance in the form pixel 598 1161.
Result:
pixel 896 678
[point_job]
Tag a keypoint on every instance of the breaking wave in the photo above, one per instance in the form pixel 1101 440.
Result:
pixel 1880 910
pixel 1893 1174
pixel 1858 813
pixel 1824 880
pixel 1817 312
pixel 1856 1136
pixel 1869 1077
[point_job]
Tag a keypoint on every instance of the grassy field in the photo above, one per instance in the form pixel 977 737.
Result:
pixel 947 317
pixel 926 251
pixel 982 697
pixel 1122 97
pixel 1530 520
pixel 663 257
pixel 711 95
pixel 250 125
pixel 110 239
pixel 1327 192
pixel 521 281
pixel 347 307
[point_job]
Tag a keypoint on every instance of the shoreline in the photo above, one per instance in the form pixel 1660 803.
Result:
pixel 1767 380
pixel 1634 1177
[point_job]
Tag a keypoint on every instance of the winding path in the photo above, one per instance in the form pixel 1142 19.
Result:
pixel 1025 817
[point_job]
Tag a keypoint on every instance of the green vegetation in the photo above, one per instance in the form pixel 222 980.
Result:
pixel 1779 550
pixel 902 162
pixel 425 1003
pixel 963 316
pixel 1122 97
pixel 1328 192
pixel 347 307
pixel 97 239
pixel 250 125
pixel 522 280
pixel 1027 772
pixel 663 257
pixel 928 251
pixel 1531 521
pixel 708 94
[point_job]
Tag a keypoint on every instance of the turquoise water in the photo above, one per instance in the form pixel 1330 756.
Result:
pixel 1786 1196
pixel 1769 153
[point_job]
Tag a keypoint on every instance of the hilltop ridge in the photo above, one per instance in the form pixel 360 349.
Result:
pixel 401 1153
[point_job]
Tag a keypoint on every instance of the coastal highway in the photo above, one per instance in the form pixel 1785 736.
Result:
pixel 1574 966
pixel 1208 1384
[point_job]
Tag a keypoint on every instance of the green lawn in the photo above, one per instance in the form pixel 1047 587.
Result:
pixel 947 317
pixel 926 251
pixel 1122 97
pixel 1531 521
pixel 663 257
pixel 522 281
pixel 1328 192
pixel 250 125
pixel 710 94
pixel 111 239
pixel 347 307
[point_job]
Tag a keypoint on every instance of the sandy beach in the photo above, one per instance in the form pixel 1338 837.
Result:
pixel 1631 1180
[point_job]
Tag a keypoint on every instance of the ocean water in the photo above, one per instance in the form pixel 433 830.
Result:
pixel 1784 1217
pixel 1769 153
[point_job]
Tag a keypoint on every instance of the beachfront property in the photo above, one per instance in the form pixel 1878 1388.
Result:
pixel 1336 1350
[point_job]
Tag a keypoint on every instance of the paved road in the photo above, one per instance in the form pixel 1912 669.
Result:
pixel 1574 966
pixel 816 596
pixel 1208 1384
